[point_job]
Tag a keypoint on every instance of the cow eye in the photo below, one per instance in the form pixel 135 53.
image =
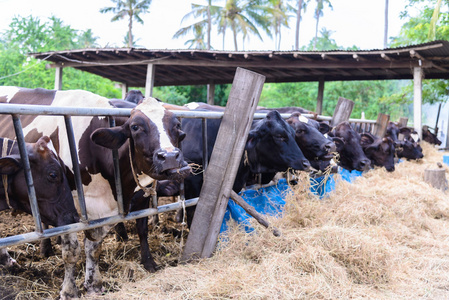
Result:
pixel 52 176
pixel 134 127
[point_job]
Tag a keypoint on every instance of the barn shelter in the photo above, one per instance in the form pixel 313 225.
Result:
pixel 135 67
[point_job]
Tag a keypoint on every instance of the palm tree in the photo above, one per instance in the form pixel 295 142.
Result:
pixel 128 8
pixel 243 16
pixel 386 25
pixel 302 4
pixel 206 12
pixel 433 21
pixel 318 14
pixel 277 12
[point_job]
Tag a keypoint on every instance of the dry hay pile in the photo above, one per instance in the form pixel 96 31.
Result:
pixel 384 236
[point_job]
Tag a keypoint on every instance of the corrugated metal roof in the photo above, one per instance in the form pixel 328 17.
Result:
pixel 194 67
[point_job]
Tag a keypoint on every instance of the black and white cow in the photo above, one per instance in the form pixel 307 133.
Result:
pixel 53 194
pixel 147 140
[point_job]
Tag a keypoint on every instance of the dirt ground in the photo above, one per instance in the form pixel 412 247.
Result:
pixel 38 277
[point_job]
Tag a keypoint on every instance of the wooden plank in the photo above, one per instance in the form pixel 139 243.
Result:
pixel 58 78
pixel 342 111
pixel 380 128
pixel 220 174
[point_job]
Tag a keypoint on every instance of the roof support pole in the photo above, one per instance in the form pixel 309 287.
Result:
pixel 319 98
pixel 58 78
pixel 210 92
pixel 124 89
pixel 151 68
pixel 417 99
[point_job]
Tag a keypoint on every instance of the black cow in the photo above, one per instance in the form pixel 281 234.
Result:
pixel 381 152
pixel 53 194
pixel 309 135
pixel 270 148
pixel 408 147
pixel 429 136
pixel 349 148
pixel 134 96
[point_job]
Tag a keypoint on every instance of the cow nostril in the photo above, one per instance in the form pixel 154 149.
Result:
pixel 161 155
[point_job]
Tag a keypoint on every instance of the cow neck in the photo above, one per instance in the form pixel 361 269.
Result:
pixel 149 191
pixel 5 177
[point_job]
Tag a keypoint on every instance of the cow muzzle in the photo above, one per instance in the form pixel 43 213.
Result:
pixel 171 163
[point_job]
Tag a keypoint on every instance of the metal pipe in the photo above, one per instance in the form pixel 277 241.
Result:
pixel 75 227
pixel 117 179
pixel 27 170
pixel 76 167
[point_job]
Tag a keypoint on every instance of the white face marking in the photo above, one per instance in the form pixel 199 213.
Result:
pixel 303 119
pixel 8 92
pixel 154 110
pixel 415 136
pixel 192 105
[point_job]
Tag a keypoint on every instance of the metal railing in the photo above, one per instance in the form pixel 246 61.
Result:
pixel 68 112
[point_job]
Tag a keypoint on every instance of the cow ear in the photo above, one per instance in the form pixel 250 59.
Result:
pixel 112 138
pixel 251 142
pixel 339 143
pixel 324 127
pixel 10 165
pixel 366 139
pixel 405 130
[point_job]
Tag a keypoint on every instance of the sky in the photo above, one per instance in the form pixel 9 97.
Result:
pixel 353 22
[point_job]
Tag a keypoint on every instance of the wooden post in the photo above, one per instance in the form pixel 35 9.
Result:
pixel 436 177
pixel 223 164
pixel 124 89
pixel 58 78
pixel 211 93
pixel 253 212
pixel 319 99
pixel 402 122
pixel 380 129
pixel 417 99
pixel 342 111
pixel 149 84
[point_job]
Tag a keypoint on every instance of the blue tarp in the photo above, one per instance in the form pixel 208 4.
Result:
pixel 270 200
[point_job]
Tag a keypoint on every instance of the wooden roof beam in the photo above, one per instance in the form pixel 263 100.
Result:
pixel 358 57
pixel 298 56
pixel 329 57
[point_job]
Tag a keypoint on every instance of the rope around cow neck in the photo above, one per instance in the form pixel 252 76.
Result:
pixel 5 177
pixel 149 191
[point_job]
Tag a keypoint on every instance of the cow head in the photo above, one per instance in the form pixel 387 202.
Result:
pixel 134 96
pixel 309 135
pixel 154 134
pixel 348 145
pixel 429 136
pixel 409 149
pixel 52 189
pixel 271 146
pixel 380 151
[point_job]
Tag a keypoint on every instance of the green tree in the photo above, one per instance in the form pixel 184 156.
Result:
pixel 30 34
pixel 130 9
pixel 302 5
pixel 429 24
